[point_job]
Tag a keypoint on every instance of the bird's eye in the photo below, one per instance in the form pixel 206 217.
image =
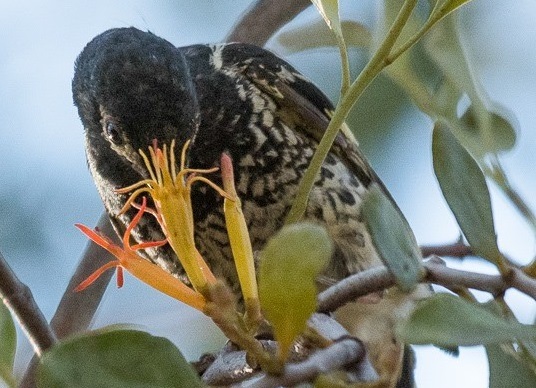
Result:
pixel 111 130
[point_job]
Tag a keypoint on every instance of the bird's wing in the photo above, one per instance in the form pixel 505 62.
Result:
pixel 301 103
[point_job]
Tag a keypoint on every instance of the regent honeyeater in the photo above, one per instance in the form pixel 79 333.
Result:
pixel 134 89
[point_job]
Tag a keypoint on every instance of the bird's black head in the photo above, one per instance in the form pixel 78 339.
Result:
pixel 131 87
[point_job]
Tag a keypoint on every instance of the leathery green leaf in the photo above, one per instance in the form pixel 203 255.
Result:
pixel 290 264
pixel 452 5
pixel 317 34
pixel 329 9
pixel 392 238
pixel 117 358
pixel 480 141
pixel 486 126
pixel 464 187
pixel 446 320
pixel 508 371
pixel 509 365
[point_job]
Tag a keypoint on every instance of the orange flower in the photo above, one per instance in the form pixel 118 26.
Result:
pixel 149 273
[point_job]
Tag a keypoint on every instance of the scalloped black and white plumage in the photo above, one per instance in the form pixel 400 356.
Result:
pixel 132 87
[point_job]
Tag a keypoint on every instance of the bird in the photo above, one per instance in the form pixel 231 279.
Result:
pixel 132 88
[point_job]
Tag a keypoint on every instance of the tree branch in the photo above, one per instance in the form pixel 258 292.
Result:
pixel 77 309
pixel 18 297
pixel 354 286
pixel 334 357
pixel 231 367
pixel 263 19
pixel 379 278
pixel 522 282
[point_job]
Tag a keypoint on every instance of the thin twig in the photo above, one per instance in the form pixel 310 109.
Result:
pixel 453 278
pixel 496 172
pixel 352 287
pixel 379 278
pixel 457 249
pixel 18 297
pixel 523 282
pixel 76 310
pixel 263 19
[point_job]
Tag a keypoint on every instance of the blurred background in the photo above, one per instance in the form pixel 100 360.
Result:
pixel 45 186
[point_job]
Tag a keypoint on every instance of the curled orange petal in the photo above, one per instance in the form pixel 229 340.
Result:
pixel 95 275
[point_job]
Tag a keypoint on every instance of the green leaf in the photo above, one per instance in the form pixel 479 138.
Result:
pixel 465 189
pixel 446 320
pixel 8 345
pixel 119 358
pixel 452 5
pixel 486 127
pixel 329 10
pixel 507 371
pixel 502 125
pixel 529 352
pixel 392 237
pixel 290 264
pixel 317 34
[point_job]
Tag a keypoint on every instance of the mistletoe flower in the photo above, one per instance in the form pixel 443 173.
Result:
pixel 127 258
pixel 170 191
pixel 171 194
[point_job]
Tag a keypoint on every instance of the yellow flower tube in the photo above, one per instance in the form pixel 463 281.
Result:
pixel 170 192
pixel 240 243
